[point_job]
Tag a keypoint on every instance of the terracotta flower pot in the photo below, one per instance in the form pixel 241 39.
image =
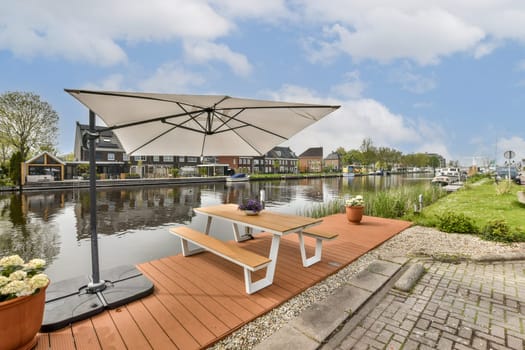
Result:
pixel 20 321
pixel 354 214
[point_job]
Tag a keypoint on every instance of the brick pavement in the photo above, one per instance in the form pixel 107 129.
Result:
pixel 470 305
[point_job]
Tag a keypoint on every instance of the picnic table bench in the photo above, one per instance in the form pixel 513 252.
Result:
pixel 248 260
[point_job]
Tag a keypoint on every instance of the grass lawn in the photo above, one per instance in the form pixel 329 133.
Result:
pixel 481 202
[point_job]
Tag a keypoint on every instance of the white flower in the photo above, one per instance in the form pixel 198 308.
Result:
pixel 39 281
pixel 35 264
pixel 356 201
pixel 18 275
pixel 11 260
pixel 3 281
pixel 18 279
pixel 18 288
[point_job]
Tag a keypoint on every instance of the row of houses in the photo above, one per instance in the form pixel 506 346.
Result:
pixel 113 162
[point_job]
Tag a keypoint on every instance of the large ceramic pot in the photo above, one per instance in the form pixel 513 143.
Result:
pixel 20 321
pixel 354 214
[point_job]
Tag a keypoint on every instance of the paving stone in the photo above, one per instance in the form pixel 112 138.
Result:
pixel 288 338
pixel 514 343
pixel 479 343
pixel 465 306
pixel 445 344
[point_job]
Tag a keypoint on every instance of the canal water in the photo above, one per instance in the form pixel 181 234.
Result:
pixel 133 222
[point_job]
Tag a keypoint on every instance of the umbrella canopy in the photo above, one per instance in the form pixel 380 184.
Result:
pixel 196 125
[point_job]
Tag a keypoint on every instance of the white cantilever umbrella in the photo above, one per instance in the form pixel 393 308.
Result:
pixel 194 125
pixel 168 124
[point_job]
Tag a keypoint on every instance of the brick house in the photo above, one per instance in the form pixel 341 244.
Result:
pixel 333 162
pixel 281 160
pixel 311 160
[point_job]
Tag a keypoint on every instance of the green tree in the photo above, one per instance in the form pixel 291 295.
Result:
pixel 27 124
pixel 14 167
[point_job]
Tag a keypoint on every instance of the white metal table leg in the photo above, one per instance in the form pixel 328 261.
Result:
pixel 238 237
pixel 318 251
pixel 252 287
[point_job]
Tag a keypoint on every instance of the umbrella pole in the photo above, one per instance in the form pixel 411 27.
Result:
pixel 96 284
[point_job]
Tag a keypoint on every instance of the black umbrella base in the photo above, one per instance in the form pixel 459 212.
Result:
pixel 68 301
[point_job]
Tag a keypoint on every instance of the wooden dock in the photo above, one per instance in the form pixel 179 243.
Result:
pixel 201 299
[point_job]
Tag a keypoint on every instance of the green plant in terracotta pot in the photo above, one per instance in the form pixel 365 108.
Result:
pixel 354 209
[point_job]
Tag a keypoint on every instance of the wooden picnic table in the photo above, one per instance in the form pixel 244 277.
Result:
pixel 268 221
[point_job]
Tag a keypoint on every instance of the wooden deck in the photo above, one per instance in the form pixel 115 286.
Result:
pixel 200 299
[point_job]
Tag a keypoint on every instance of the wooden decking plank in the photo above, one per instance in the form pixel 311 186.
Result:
pixel 170 324
pixel 222 313
pixel 152 330
pixel 177 308
pixel 43 341
pixel 107 332
pixel 217 286
pixel 233 275
pixel 61 339
pixel 203 288
pixel 85 335
pixel 211 321
pixel 129 330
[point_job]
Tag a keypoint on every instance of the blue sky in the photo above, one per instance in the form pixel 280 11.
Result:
pixel 418 76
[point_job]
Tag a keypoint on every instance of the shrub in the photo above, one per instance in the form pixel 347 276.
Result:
pixel 457 223
pixel 498 230
pixel 503 187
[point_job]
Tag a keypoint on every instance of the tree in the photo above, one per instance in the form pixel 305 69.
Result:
pixel 27 124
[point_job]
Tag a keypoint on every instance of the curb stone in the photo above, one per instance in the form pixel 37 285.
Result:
pixel 315 324
pixel 410 277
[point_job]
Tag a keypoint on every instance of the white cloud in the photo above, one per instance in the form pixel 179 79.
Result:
pixel 268 10
pixel 171 77
pixel 422 31
pixel 352 88
pixel 513 143
pixel 358 119
pixel 202 52
pixel 112 83
pixel 389 34
pixel 98 31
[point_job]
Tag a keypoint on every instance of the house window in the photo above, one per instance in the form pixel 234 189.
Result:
pixel 168 158
pixel 192 159
pixel 181 159
pixel 111 156
pixel 125 157
pixel 139 157
pixel 156 158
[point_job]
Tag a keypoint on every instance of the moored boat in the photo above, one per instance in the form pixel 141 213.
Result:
pixel 238 178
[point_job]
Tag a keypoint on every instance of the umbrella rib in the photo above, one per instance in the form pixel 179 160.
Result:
pixel 234 117
pixel 153 139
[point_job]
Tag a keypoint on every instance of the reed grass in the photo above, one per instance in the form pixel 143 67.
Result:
pixel 390 203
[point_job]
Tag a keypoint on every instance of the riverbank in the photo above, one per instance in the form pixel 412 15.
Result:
pixel 76 184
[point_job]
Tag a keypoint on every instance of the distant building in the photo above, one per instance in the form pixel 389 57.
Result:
pixel 112 159
pixel 333 162
pixel 279 160
pixel 311 160
pixel 43 167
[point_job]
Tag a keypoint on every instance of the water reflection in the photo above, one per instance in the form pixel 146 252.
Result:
pixel 132 222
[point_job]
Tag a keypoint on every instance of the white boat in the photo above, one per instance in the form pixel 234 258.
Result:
pixel 241 177
pixel 348 171
pixel 441 180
